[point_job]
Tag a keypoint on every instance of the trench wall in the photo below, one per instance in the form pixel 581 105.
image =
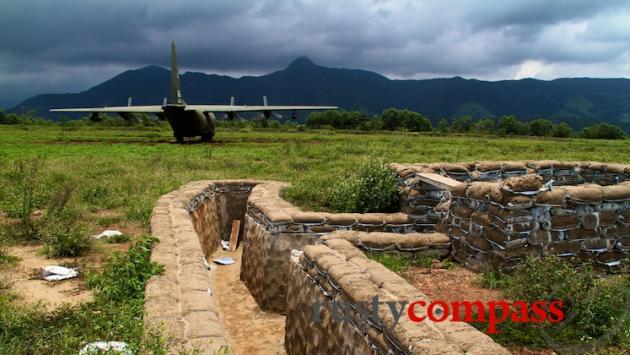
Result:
pixel 333 272
pixel 190 222
pixel 427 205
pixel 274 227
pixel 583 215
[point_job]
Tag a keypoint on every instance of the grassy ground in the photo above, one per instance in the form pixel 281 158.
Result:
pixel 116 175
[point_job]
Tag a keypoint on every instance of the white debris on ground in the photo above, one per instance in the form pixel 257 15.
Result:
pixel 108 234
pixel 106 346
pixel 58 273
pixel 224 261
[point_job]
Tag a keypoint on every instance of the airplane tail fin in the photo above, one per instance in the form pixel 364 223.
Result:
pixel 176 92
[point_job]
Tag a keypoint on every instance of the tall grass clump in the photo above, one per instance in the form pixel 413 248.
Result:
pixel 597 310
pixel 372 188
pixel 58 225
pixel 62 232
pixel 24 196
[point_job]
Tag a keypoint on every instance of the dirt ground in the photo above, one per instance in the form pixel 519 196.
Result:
pixel 456 285
pixel 251 330
pixel 30 288
pixel 449 285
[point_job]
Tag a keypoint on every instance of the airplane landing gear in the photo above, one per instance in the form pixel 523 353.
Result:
pixel 207 137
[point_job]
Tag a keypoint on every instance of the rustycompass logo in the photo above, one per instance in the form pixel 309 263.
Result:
pixel 492 312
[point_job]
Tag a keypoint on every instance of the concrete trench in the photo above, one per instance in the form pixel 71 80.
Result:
pixel 191 221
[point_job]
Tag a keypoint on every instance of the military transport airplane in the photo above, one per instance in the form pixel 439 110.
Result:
pixel 191 120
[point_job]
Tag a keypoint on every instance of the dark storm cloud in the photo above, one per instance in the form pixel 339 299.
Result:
pixel 63 45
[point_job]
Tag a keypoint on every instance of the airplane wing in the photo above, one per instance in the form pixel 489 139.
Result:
pixel 245 108
pixel 119 109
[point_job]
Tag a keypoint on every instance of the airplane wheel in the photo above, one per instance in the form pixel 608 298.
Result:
pixel 207 137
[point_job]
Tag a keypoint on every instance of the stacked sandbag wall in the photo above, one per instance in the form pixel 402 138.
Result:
pixel 427 204
pixel 500 223
pixel 331 277
pixel 189 223
pixel 434 245
pixel 274 227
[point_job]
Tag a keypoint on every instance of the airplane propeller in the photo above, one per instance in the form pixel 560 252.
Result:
pixel 232 115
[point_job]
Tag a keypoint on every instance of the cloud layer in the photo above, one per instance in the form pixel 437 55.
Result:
pixel 64 45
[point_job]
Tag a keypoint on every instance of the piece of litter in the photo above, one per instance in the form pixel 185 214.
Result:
pixel 108 233
pixel 58 273
pixel 295 252
pixel 225 244
pixel 108 346
pixel 224 261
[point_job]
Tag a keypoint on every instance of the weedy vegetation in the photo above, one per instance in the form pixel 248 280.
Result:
pixel 114 314
pixel 400 263
pixel 59 183
pixel 597 310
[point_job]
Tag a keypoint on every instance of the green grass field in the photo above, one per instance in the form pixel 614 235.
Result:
pixel 127 170
pixel 124 171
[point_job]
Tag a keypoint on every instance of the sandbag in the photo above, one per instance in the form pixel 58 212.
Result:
pixel 523 183
pixel 481 218
pixel 563 248
pixel 483 190
pixel 564 222
pixel 462 211
pixel 452 168
pixel 585 193
pixel 486 166
pixel 518 202
pixel 460 190
pixel 479 243
pixel 514 166
pixel 553 197
pixel 597 245
pixel 607 218
pixel 616 192
pixel 581 233
pixel 539 237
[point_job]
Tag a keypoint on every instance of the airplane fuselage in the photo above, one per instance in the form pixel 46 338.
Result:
pixel 189 123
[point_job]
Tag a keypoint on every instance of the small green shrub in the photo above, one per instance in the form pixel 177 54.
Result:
pixel 372 189
pixel 494 279
pixel 125 275
pixel 61 231
pixel 597 310
pixel 66 240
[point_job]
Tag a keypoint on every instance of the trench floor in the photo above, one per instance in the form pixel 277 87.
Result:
pixel 251 330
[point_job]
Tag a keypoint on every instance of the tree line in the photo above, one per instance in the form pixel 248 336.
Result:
pixel 393 119
pixel 389 120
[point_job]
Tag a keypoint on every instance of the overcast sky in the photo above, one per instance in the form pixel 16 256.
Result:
pixel 61 46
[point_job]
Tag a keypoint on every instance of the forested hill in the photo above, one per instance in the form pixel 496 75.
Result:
pixel 578 101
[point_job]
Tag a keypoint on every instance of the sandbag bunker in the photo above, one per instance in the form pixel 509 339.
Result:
pixel 502 212
pixel 481 213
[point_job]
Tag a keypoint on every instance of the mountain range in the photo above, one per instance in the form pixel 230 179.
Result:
pixel 578 101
